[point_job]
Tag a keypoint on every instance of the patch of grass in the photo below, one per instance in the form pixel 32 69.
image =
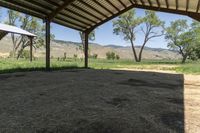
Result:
pixel 189 68
pixel 13 65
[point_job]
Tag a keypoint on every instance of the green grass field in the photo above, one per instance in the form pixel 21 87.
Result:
pixel 12 65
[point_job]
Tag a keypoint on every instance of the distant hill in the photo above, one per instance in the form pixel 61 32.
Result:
pixel 59 47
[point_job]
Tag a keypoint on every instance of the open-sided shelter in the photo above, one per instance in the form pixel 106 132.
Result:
pixel 5 29
pixel 86 15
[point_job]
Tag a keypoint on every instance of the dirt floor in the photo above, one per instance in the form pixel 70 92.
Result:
pixel 99 101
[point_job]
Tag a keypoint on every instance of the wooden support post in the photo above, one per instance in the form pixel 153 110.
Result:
pixel 48 45
pixel 31 49
pixel 86 34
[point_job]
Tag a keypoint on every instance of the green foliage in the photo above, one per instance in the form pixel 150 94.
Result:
pixel 112 56
pixel 153 28
pixel 75 56
pixel 94 56
pixel 25 54
pixel 117 57
pixel 64 56
pixel 184 38
pixel 28 23
pixel 13 65
pixel 91 37
pixel 127 25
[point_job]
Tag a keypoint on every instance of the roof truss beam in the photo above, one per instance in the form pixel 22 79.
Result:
pixel 190 14
pixel 59 9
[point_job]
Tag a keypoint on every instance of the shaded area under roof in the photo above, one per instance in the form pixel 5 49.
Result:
pixel 85 15
pixel 5 29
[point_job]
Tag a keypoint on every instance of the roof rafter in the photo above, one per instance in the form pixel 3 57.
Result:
pixel 85 15
pixel 86 4
pixel 23 10
pixel 122 3
pixel 142 2
pixel 135 1
pixel 60 8
pixel 198 6
pixel 110 3
pixel 190 14
pixel 78 14
pixel 85 11
pixel 131 1
pixel 102 6
pixel 187 5
pixel 150 3
pixel 167 3
pixel 158 2
pixel 176 4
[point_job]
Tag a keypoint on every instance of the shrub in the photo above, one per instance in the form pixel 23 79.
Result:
pixel 75 56
pixel 94 56
pixel 25 54
pixel 65 56
pixel 117 57
pixel 110 55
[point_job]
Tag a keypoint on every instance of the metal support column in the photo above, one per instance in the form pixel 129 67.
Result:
pixel 86 35
pixel 48 45
pixel 31 49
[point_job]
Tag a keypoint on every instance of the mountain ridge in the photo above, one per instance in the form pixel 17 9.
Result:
pixel 70 48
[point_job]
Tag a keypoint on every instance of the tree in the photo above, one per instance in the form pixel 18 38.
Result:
pixel 153 28
pixel 28 23
pixel 182 37
pixel 196 29
pixel 90 37
pixel 126 25
pixel 13 17
pixel 35 26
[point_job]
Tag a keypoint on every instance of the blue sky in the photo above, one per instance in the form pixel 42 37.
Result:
pixel 104 33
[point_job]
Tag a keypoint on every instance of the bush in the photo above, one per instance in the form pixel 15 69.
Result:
pixel 75 56
pixel 110 55
pixel 117 57
pixel 25 54
pixel 11 54
pixel 94 56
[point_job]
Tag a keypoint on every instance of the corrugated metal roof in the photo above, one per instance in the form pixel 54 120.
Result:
pixel 87 14
pixel 5 29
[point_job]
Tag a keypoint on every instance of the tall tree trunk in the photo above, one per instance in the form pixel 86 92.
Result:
pixel 141 50
pixel 134 52
pixel 83 42
pixel 184 59
pixel 14 45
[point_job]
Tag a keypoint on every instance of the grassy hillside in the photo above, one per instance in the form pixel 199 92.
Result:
pixel 58 48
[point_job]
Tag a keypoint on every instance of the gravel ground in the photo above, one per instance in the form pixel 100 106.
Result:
pixel 92 101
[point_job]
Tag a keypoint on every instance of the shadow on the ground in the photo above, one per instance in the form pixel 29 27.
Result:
pixel 88 101
pixel 13 70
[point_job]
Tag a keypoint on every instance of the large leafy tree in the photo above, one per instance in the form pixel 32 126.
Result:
pixel 196 30
pixel 13 18
pixel 28 23
pixel 34 26
pixel 183 38
pixel 91 37
pixel 153 28
pixel 126 26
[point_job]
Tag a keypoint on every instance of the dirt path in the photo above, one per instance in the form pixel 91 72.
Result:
pixel 192 103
